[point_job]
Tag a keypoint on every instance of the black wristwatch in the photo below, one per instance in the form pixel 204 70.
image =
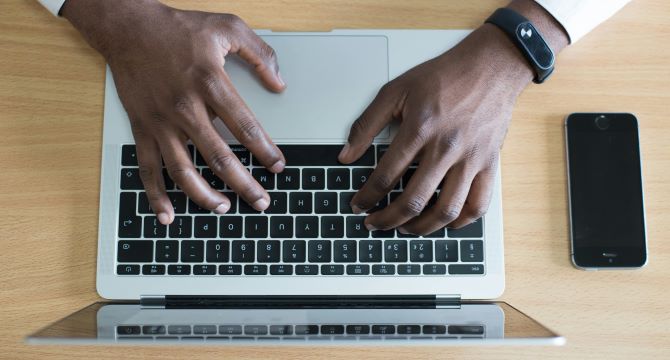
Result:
pixel 529 41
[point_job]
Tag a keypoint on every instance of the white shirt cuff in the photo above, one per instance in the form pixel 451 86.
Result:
pixel 53 5
pixel 578 17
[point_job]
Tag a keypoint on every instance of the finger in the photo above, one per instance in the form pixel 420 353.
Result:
pixel 225 164
pixel 151 173
pixel 448 205
pixel 416 194
pixel 392 165
pixel 256 52
pixel 227 103
pixel 477 202
pixel 181 170
pixel 375 117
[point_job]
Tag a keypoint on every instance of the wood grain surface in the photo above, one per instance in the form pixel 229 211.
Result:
pixel 51 97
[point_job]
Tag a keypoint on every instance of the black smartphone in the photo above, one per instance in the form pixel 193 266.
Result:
pixel 607 221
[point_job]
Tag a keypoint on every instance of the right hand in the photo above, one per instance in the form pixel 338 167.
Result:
pixel 168 69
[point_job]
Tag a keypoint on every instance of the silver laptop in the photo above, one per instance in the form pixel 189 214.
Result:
pixel 307 247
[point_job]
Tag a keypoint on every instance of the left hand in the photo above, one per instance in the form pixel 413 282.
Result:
pixel 454 112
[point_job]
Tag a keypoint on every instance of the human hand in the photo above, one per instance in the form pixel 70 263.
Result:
pixel 454 111
pixel 168 69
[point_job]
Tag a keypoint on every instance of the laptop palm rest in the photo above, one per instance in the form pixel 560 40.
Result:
pixel 330 81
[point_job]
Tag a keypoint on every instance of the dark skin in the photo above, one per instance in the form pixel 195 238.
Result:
pixel 454 110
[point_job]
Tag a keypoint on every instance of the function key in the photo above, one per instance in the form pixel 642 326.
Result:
pixel 306 270
pixel 409 269
pixel 230 329
pixel 204 329
pixel 474 230
pixel 434 269
pixel 289 179
pixel 332 329
pixel 130 179
pixel 434 329
pixel 128 330
pixel 409 329
pixel 230 270
pixel 358 269
pixel 153 329
pixel 124 269
pixel 153 270
pixel 134 251
pixel 332 269
pixel 338 179
pixel 466 329
pixel 358 329
pixel 204 269
pixel 179 329
pixel 313 179
pixel 281 330
pixel 255 329
pixel 383 329
pixel 462 269
pixel 281 269
pixel 128 155
pixel 472 250
pixel 383 269
pixel 179 269
pixel 255 269
pixel 306 329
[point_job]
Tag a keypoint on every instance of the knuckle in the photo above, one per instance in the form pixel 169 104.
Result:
pixel 381 182
pixel 423 131
pixel 180 172
pixel 157 117
pixel 146 174
pixel 251 192
pixel 447 143
pixel 220 162
pixel 234 22
pixel 448 213
pixel 269 54
pixel 249 131
pixel 359 127
pixel 209 80
pixel 475 211
pixel 388 89
pixel 413 207
pixel 182 105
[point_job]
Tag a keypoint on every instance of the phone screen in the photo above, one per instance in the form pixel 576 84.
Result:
pixel 606 205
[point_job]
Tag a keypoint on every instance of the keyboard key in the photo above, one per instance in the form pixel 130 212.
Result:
pixel 143 206
pixel 192 250
pixel 463 269
pixel 181 227
pixel 306 270
pixel 313 179
pixel 434 269
pixel 281 227
pixel 134 251
pixel 421 251
pixel 124 269
pixel 386 234
pixel 409 329
pixel 434 329
pixel 407 176
pixel 466 330
pixel 194 208
pixel 204 329
pixel 306 329
pixel 268 251
pixel 356 228
pixel 360 176
pixel 255 269
pixel 277 203
pixel 293 250
pixel 128 330
pixel 178 200
pixel 332 329
pixel 242 154
pixel 179 329
pixel 437 234
pixel 338 179
pixel 281 330
pixel 204 269
pixel 289 179
pixel 179 269
pixel 153 269
pixel 255 227
pixel 191 152
pixel 319 251
pixel 230 227
pixel 255 329
pixel 383 269
pixel 358 269
pixel 332 226
pixel 130 225
pixel 169 184
pixel 243 251
pixel 167 251
pixel 474 230
pixel 130 179
pixel 230 270
pixel 205 226
pixel 383 202
pixel 325 203
pixel 446 250
pixel 344 251
pixel 345 202
pixel 245 208
pixel 217 251
pixel 212 179
pixel 300 203
pixel 153 228
pixel 409 269
pixel 358 329
pixel 472 250
pixel 332 269
pixel 230 329
pixel 264 177
pixel 128 155
pixel 306 226
pixel 383 329
pixel 281 269
pixel 395 250
pixel 370 250
pixel 153 329
pixel 322 155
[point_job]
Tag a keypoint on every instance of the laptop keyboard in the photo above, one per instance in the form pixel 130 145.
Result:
pixel 308 229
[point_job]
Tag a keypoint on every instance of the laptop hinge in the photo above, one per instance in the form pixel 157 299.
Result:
pixel 442 301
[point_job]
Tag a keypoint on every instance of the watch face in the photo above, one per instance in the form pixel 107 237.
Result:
pixel 538 50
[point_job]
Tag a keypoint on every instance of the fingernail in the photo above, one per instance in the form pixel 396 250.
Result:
pixel 356 209
pixel 164 218
pixel 402 230
pixel 370 227
pixel 281 81
pixel 278 166
pixel 261 204
pixel 222 208
pixel 345 151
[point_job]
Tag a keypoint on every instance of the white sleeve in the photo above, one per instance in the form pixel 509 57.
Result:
pixel 53 5
pixel 578 17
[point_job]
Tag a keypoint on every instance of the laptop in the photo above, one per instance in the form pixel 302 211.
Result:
pixel 306 264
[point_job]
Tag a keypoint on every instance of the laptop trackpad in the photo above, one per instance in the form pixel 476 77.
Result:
pixel 330 81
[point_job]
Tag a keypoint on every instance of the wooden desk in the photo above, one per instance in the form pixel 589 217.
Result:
pixel 51 97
